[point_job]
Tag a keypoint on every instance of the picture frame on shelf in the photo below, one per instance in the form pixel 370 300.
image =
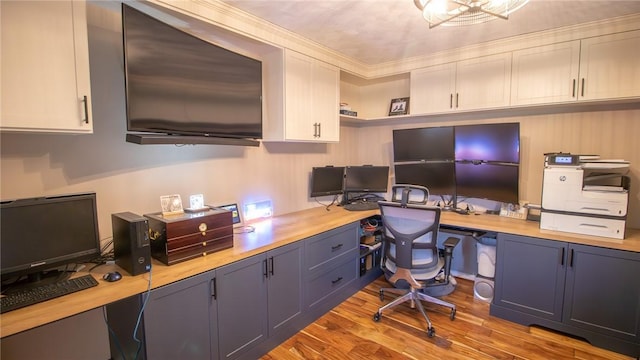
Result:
pixel 399 106
pixel 171 205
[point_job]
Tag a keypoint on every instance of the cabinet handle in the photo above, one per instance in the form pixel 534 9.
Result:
pixel 265 268
pixel 562 257
pixel 337 247
pixel 457 98
pixel 214 291
pixel 582 90
pixel 319 130
pixel 271 272
pixel 573 93
pixel 451 101
pixel 333 282
pixel 570 258
pixel 86 109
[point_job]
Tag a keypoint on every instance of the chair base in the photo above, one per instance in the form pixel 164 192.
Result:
pixel 414 297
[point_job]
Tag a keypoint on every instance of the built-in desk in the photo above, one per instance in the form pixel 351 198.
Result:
pixel 269 234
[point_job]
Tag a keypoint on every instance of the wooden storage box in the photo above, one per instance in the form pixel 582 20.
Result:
pixel 181 237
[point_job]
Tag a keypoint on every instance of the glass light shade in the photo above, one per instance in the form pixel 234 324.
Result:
pixel 466 12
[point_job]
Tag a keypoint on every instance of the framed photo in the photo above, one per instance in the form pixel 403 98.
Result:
pixel 171 204
pixel 399 106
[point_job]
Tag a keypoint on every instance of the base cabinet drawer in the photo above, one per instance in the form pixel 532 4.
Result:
pixel 325 284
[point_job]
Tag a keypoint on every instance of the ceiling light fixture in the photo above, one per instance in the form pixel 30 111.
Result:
pixel 466 12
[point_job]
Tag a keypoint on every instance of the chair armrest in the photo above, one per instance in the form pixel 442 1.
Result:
pixel 451 242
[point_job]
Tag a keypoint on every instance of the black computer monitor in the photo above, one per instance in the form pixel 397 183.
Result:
pixel 41 234
pixel 366 178
pixel 423 144
pixel 488 142
pixel 487 181
pixel 438 177
pixel 327 180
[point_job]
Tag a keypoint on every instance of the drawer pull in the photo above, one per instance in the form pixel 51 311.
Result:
pixel 333 282
pixel 337 247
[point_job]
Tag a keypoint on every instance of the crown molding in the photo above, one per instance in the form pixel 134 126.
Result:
pixel 234 20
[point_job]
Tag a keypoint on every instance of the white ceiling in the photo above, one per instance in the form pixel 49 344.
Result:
pixel 379 31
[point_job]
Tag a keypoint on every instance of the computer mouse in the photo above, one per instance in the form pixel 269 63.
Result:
pixel 112 276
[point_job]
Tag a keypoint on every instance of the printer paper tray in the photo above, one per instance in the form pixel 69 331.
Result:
pixel 586 225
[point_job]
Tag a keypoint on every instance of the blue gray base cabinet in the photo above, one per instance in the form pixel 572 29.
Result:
pixel 243 309
pixel 258 298
pixel 586 291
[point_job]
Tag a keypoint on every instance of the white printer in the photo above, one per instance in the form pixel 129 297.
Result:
pixel 585 195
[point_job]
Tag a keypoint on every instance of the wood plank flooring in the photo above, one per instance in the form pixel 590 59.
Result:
pixel 349 332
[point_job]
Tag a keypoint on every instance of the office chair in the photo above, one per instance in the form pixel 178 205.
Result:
pixel 411 260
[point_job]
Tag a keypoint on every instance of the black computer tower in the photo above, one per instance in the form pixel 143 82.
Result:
pixel 131 242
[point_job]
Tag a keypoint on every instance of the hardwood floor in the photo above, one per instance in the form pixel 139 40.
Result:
pixel 349 332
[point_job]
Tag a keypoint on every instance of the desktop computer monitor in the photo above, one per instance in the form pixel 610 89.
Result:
pixel 487 181
pixel 366 179
pixel 488 142
pixel 41 234
pixel 438 177
pixel 327 180
pixel 423 144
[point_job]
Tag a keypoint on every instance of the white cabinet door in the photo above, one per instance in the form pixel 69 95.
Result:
pixel 326 102
pixel 45 67
pixel 478 83
pixel 610 66
pixel 432 89
pixel 483 83
pixel 312 99
pixel 546 74
pixel 298 97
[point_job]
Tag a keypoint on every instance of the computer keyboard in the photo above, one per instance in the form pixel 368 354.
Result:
pixel 361 206
pixel 46 292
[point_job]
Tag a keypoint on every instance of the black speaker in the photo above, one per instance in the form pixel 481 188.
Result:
pixel 131 242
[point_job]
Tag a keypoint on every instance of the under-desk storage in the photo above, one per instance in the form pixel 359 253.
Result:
pixel 331 263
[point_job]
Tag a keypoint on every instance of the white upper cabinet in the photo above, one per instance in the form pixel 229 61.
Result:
pixel 433 89
pixel 610 67
pixel 310 99
pixel 478 83
pixel 599 68
pixel 45 67
pixel 546 74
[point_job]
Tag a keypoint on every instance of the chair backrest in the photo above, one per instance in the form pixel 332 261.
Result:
pixel 410 229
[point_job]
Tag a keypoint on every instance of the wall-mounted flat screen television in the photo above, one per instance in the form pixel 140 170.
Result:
pixel 179 84
pixel 423 144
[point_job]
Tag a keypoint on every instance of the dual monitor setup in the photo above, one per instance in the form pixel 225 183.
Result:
pixel 454 162
pixel 354 183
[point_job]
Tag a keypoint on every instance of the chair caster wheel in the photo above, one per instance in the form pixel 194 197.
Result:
pixel 453 314
pixel 381 295
pixel 376 317
pixel 431 332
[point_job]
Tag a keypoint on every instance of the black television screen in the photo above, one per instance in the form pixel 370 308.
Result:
pixel 423 144
pixel 439 177
pixel 327 180
pixel 177 83
pixel 39 234
pixel 366 178
pixel 487 181
pixel 488 142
